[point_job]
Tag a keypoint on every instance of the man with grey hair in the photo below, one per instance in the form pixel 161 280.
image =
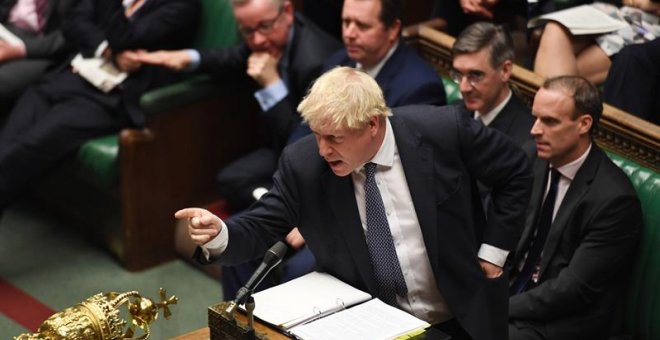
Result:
pixel 582 226
pixel 482 64
pixel 385 203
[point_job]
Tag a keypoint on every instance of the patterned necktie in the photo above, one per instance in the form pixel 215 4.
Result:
pixel 379 241
pixel 542 229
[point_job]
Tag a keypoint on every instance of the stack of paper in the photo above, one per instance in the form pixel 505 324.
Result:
pixel 320 306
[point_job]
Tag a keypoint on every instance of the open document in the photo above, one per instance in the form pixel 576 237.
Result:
pixel 320 306
pixel 100 72
pixel 584 19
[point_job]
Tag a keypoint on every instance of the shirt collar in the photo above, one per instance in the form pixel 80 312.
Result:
pixel 385 155
pixel 569 170
pixel 373 72
pixel 489 117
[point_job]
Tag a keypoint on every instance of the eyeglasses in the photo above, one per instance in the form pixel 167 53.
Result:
pixel 473 77
pixel 265 27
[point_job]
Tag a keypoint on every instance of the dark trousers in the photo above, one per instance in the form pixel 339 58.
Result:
pixel 50 121
pixel 237 180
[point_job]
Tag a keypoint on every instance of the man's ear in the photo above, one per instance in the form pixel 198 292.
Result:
pixel 507 70
pixel 584 123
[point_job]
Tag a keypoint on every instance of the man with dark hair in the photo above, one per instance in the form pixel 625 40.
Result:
pixel 482 64
pixel 371 31
pixel 584 221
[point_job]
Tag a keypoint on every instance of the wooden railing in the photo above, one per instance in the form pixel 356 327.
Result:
pixel 618 132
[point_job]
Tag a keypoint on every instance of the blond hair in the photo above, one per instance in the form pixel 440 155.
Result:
pixel 343 98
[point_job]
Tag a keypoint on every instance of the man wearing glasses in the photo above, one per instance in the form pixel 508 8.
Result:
pixel 281 54
pixel 482 65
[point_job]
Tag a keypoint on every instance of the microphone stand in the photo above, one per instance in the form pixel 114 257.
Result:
pixel 222 317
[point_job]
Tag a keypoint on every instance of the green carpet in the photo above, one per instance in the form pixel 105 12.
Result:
pixel 57 266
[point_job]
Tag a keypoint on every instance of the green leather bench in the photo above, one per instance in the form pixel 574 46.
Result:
pixel 123 189
pixel 634 145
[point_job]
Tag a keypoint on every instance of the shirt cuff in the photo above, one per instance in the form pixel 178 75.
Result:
pixel 216 246
pixel 195 60
pixel 99 50
pixel 270 95
pixel 493 255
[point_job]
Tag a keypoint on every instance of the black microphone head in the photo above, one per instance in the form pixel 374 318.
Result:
pixel 275 254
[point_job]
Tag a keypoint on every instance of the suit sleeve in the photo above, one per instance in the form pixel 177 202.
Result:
pixel 495 161
pixel 267 221
pixel 81 28
pixel 609 237
pixel 154 29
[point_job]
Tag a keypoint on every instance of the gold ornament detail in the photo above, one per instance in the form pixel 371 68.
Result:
pixel 97 318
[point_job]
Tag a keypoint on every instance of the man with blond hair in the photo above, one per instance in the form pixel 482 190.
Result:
pixel 385 202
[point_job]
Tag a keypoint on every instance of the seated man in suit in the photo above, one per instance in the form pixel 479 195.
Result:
pixel 40 45
pixel 482 64
pixel 53 118
pixel 582 227
pixel 281 55
pixel 384 200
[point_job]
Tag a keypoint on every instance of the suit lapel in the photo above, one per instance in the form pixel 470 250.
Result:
pixel 540 174
pixel 579 187
pixel 389 71
pixel 417 161
pixel 504 119
pixel 341 198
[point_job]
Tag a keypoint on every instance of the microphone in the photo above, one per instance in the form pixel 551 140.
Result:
pixel 272 258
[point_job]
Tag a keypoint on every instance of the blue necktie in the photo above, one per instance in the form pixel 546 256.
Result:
pixel 542 229
pixel 379 241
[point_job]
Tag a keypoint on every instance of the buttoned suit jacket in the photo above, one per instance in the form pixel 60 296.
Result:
pixel 587 253
pixel 309 48
pixel 442 153
pixel 406 79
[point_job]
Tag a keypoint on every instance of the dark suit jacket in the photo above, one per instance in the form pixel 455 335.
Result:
pixel 158 24
pixel 406 79
pixel 51 42
pixel 587 253
pixel 310 46
pixel 442 153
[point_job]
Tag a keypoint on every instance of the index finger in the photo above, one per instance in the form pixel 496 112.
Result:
pixel 189 213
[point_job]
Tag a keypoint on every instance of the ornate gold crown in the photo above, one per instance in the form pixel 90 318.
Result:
pixel 97 318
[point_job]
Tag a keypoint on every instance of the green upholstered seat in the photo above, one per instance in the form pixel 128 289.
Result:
pixel 451 90
pixel 642 313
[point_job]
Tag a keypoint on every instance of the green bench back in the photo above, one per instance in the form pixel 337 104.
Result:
pixel 642 314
